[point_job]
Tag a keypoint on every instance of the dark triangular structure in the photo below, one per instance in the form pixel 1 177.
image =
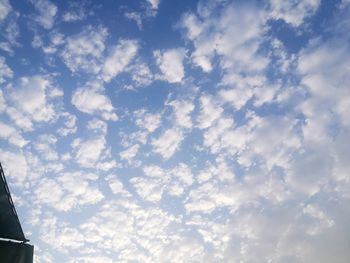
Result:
pixel 13 247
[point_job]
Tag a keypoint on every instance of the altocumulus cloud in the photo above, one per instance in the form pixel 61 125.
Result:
pixel 188 131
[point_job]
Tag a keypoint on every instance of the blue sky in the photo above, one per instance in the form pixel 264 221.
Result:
pixel 178 131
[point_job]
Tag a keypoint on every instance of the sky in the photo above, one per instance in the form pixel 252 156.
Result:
pixel 178 131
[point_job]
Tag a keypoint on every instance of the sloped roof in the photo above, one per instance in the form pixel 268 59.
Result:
pixel 10 226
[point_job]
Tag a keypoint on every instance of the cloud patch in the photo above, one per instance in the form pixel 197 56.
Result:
pixel 91 100
pixel 168 142
pixel 170 63
pixel 119 58
pixel 84 51
pixel 47 12
pixel 33 99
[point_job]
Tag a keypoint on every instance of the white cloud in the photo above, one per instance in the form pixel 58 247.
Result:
pixel 119 58
pixel 135 17
pixel 219 136
pixel 202 199
pixel 92 152
pixel 309 170
pixel 150 189
pixel 68 191
pixel 93 259
pixel 203 53
pixel 215 33
pixel 222 171
pixel 107 165
pixel 237 97
pixel 74 15
pixel 20 119
pixel 14 137
pixel 80 190
pixel 242 53
pixel 182 110
pixel 129 139
pixel 168 142
pixel 182 250
pixel 151 9
pixel 242 89
pixel 2 102
pixel 148 121
pixel 5 46
pixel 45 145
pixel 5 9
pixel 43 256
pixel 90 99
pixel 148 10
pixel 30 98
pixel 209 113
pixel 89 152
pixel 267 147
pixel 154 3
pixel 193 26
pixel 324 74
pixel 120 224
pixel 274 138
pixel 141 74
pixel 130 153
pixel 16 167
pixel 293 12
pixel 183 173
pixel 33 101
pixel 69 124
pixel 117 186
pixel 98 126
pixel 286 161
pixel 323 221
pixel 46 13
pixel 49 197
pixel 170 63
pixel 83 52
pixel 56 40
pixel 218 187
pixel 60 236
pixel 341 154
pixel 10 29
pixel 5 71
pixel 158 181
